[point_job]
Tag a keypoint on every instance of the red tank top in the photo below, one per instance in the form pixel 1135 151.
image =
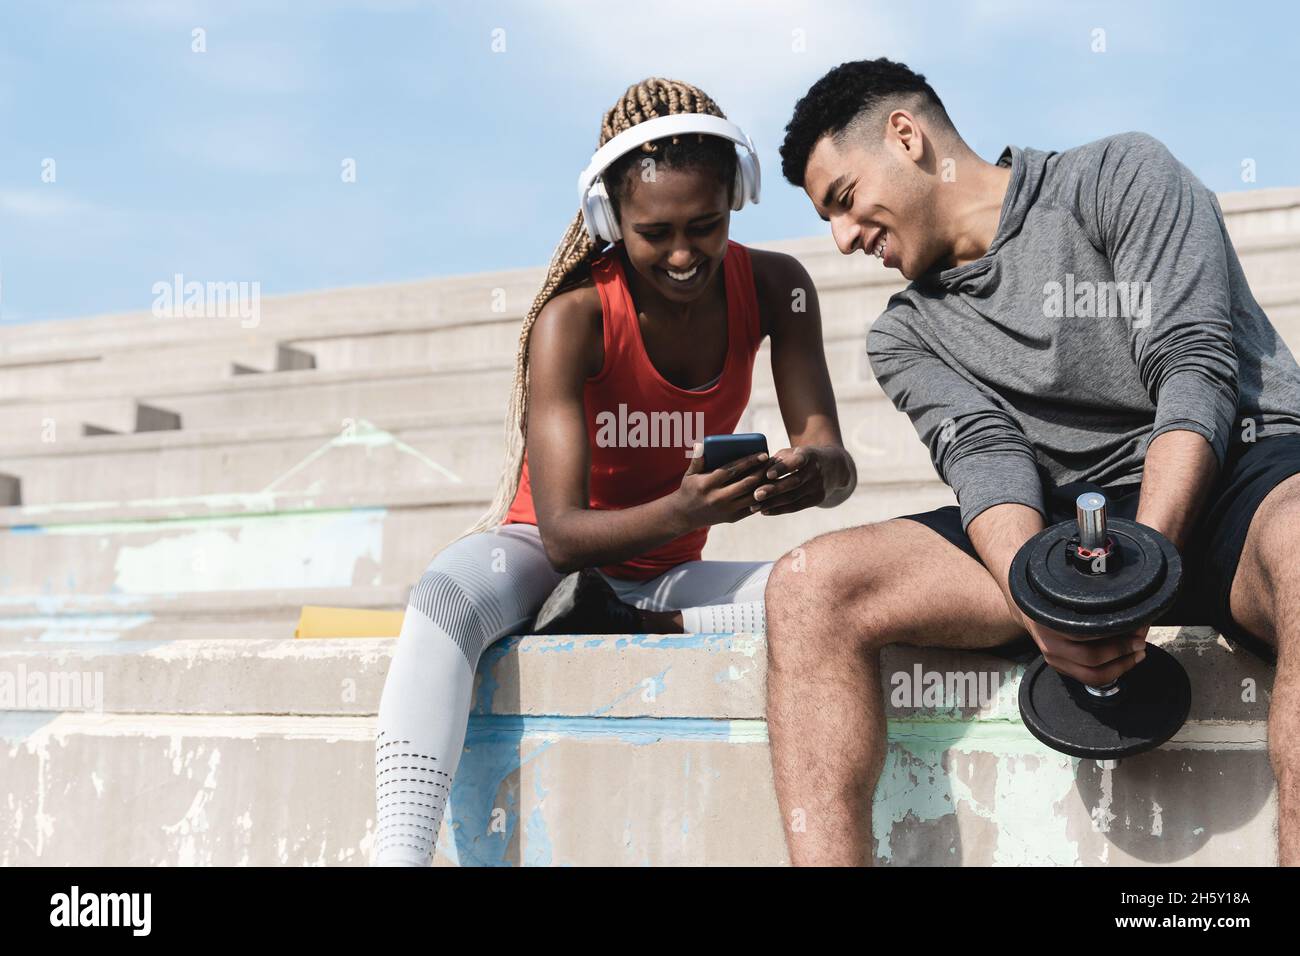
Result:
pixel 641 427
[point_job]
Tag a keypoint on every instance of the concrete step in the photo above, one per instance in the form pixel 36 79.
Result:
pixel 126 372
pixel 384 538
pixel 59 422
pixel 475 382
pixel 267 614
pixel 599 750
pixel 205 395
pixel 434 449
pixel 446 305
pixel 317 396
pixel 847 307
pixel 1265 216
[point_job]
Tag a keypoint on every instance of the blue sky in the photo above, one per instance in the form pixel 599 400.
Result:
pixel 225 165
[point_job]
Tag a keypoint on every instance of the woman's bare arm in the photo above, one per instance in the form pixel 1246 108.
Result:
pixel 822 471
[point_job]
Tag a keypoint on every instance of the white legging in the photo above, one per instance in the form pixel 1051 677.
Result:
pixel 478 590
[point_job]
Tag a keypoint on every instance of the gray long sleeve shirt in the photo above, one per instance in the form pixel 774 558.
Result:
pixel 1109 309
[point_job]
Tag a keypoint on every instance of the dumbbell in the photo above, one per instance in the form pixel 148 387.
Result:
pixel 1093 578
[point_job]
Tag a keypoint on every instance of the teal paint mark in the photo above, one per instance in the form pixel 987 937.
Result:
pixel 75 627
pixel 563 648
pixel 487 679
pixel 17 725
pixel 916 783
pixel 730 674
pixel 301 552
pixel 633 730
pixel 673 642
pixel 660 686
pixel 923 781
pixel 540 852
pixel 1002 738
pixel 61 604
pixel 145 525
pixel 661 642
pixel 481 787
pixel 919 782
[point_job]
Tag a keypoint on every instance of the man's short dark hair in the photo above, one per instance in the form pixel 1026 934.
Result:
pixel 841 96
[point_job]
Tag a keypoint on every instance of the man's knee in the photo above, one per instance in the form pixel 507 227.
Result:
pixel 817 570
pixel 1273 531
pixel 825 583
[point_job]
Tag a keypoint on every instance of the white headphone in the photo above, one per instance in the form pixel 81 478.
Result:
pixel 597 211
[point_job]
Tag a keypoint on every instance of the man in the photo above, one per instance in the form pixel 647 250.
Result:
pixel 1182 405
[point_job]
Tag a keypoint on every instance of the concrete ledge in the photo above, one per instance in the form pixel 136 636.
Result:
pixel 261 542
pixel 660 676
pixel 591 750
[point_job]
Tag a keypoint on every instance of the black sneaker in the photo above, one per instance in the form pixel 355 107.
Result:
pixel 584 603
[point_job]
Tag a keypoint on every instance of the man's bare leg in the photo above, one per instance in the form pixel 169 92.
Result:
pixel 1266 602
pixel 832 604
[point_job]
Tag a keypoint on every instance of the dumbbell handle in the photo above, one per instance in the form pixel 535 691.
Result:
pixel 1090 512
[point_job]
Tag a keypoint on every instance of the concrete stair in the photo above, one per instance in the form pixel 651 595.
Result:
pixel 261 752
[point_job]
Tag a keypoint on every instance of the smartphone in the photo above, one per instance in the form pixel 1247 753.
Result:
pixel 722 450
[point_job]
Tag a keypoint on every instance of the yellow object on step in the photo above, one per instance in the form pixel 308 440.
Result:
pixel 348 622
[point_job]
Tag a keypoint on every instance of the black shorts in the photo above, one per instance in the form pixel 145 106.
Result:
pixel 1249 473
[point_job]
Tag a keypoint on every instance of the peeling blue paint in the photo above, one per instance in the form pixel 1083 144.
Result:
pixel 17 725
pixel 487 681
pixel 563 648
pixel 540 851
pixel 74 626
pixel 673 642
pixel 483 785
pixel 498 728
pixel 660 686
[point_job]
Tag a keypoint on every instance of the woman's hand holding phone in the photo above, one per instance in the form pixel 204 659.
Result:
pixel 720 496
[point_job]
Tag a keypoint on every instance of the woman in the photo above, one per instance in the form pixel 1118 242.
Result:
pixel 626 359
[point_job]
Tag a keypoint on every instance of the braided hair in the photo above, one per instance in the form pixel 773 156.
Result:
pixel 573 258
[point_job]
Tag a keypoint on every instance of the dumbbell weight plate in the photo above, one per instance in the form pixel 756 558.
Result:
pixel 1153 702
pixel 1140 586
